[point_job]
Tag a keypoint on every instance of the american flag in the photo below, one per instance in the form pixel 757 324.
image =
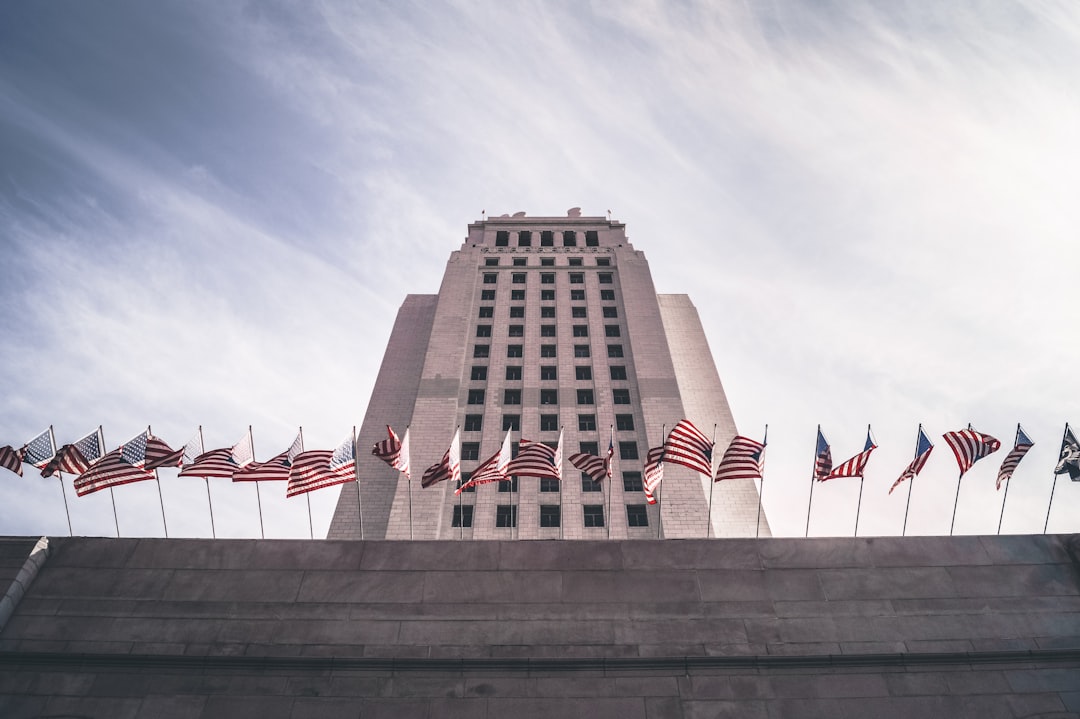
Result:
pixel 649 496
pixel 922 453
pixel 449 467
pixel 159 454
pixel 322 468
pixel 1069 458
pixel 609 459
pixel 536 459
pixel 11 459
pixel 277 468
pixel 134 450
pixel 654 469
pixel 40 449
pixel 596 467
pixel 686 445
pixel 110 471
pixel 92 446
pixel 394 451
pixel 822 457
pixel 743 459
pixel 1020 447
pixel 492 469
pixel 969 447
pixel 221 462
pixel 856 466
pixel 68 459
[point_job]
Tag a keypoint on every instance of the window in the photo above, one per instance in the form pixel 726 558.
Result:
pixel 548 372
pixel 487 312
pixel 547 330
pixel 490 278
pixel 502 238
pixel 603 261
pixel 462 515
pixel 505 515
pixel 511 422
pixel 464 480
pixel 547 295
pixel 576 278
pixel 513 351
pixel 487 295
pixel 483 330
pixel 589 448
pixel 588 484
pixel 491 262
pixel 620 396
pixel 480 351
pixel 611 331
pixel 524 239
pixel 522 261
pixel 511 396
pixel 516 330
pixel 518 278
pixel 574 312
pixel 470 450
pixel 508 485
pixel 618 372
pixel 569 238
pixel 517 295
pixel 580 330
pixel 607 295
pixel 583 373
pixel 636 515
pixel 591 238
pixel 631 482
pixel 517 312
pixel 586 422
pixel 479 373
pixel 614 351
pixel 581 350
pixel 476 396
pixel 611 312
pixel 575 262
pixel 550 485
pixel 547 278
pixel 549 515
pixel 549 423
pixel 624 422
pixel 604 277
pixel 547 238
pixel 547 351
pixel 547 261
pixel 474 422
pixel 594 515
pixel 513 372
pixel 549 396
pixel 584 396
pixel 628 450
pixel 547 312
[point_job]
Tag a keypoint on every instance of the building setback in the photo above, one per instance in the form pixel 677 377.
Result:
pixel 542 325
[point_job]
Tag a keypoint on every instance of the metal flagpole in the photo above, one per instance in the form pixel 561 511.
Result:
pixel 116 520
pixel 660 499
pixel 562 519
pixel 161 499
pixel 307 495
pixel 712 481
pixel 409 480
pixel 359 500
pixel 60 476
pixel 955 502
pixel 258 494
pixel 1007 482
pixel 911 481
pixel 813 477
pixel 610 489
pixel 213 529
pixel 761 490
pixel 858 507
pixel 1052 488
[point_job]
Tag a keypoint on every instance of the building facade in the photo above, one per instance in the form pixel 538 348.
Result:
pixel 545 325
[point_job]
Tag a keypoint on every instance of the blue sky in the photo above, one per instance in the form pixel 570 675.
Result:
pixel 211 211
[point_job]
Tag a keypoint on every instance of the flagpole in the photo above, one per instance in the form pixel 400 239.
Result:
pixel 862 479
pixel 307 495
pixel 1046 524
pixel 408 479
pixel 761 490
pixel 157 480
pixel 359 500
pixel 813 476
pixel 60 476
pixel 610 489
pixel 660 499
pixel 258 494
pixel 1007 481
pixel 562 518
pixel 112 496
pixel 918 436
pixel 955 502
pixel 712 481
pixel 202 446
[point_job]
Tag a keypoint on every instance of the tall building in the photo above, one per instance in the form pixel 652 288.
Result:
pixel 542 325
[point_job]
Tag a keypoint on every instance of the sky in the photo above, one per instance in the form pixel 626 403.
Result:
pixel 211 210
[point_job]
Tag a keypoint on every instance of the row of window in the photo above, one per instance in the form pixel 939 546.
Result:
pixel 549 422
pixel 627 450
pixel 518 311
pixel 547 295
pixel 514 351
pixel 547 278
pixel 513 372
pixel 547 262
pixel 548 330
pixel 549 396
pixel 631 483
pixel 547 238
pixel 551 515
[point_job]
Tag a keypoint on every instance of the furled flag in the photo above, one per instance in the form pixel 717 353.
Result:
pixel 448 468
pixel 159 454
pixel 123 465
pixel 1069 459
pixel 492 469
pixel 11 459
pixel 969 447
pixel 1020 447
pixel 855 466
pixel 40 449
pixel 322 468
pixel 686 445
pixel 394 451
pixel 922 453
pixel 743 459
pixel 654 472
pixel 610 457
pixel 536 459
pixel 221 462
pixel 822 457
pixel 277 468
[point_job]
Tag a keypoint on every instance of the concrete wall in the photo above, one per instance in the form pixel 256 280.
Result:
pixel 884 627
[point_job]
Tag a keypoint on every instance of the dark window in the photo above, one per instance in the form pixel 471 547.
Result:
pixel 524 239
pixel 516 330
pixel 491 262
pixel 618 372
pixel 470 450
pixel 483 330
pixel 580 330
pixel 631 482
pixel 574 312
pixel 636 515
pixel 611 331
pixel 577 295
pixel 547 351
pixel 591 238
pixel 547 330
pixel 464 479
pixel 480 351
pixel 513 351
pixel 506 515
pixel 511 396
pixel 620 396
pixel 607 295
pixel 474 422
pixel 586 422
pixel 502 238
pixel 549 515
pixel 603 262
pixel 604 277
pixel 487 312
pixel 479 373
pixel 547 312
pixel 517 312
pixel 575 262
pixel 547 261
pixel 550 485
pixel 549 422
pixel 476 396
pixel 518 278
pixel 508 485
pixel 614 351
pixel 547 238
pixel 611 312
pixel 576 278
pixel 548 372
pixel 511 422
pixel 584 396
pixel 588 484
pixel 583 373
pixel 522 261
pixel 594 515
pixel 462 515
pixel 517 295
pixel 490 278
pixel 549 396
pixel 628 450
pixel 589 447
pixel 569 238
pixel 547 295
pixel 547 278
pixel 513 372
pixel 581 350
pixel 624 422
pixel 487 295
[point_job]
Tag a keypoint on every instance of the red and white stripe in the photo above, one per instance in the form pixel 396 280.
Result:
pixel 743 459
pixel 969 447
pixel 311 471
pixel 590 464
pixel 110 471
pixel 686 445
pixel 654 469
pixel 535 459
pixel 11 459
